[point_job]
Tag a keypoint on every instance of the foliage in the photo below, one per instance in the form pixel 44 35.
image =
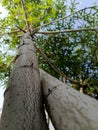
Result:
pixel 37 10
pixel 74 53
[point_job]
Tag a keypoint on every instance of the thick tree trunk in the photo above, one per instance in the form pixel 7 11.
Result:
pixel 23 108
pixel 68 108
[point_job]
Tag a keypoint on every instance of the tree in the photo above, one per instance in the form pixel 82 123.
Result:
pixel 67 108
pixel 70 46
pixel 23 99
pixel 25 64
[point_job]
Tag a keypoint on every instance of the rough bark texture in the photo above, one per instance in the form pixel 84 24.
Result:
pixel 23 108
pixel 68 108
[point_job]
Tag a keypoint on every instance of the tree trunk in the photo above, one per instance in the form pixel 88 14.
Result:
pixel 68 109
pixel 23 108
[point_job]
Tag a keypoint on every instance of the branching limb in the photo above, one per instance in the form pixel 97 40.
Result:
pixel 36 31
pixel 26 15
pixel 57 20
pixel 67 31
pixel 53 65
pixel 8 33
pixel 21 29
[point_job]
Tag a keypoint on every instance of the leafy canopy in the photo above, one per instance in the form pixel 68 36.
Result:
pixel 75 53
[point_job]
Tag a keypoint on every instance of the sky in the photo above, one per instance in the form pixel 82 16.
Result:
pixel 3 13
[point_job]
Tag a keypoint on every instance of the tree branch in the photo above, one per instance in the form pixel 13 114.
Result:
pixel 57 20
pixel 21 29
pixel 67 31
pixel 35 31
pixel 54 66
pixel 15 31
pixel 26 15
pixel 54 32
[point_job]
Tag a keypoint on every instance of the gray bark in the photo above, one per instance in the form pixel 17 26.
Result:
pixel 23 108
pixel 68 109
